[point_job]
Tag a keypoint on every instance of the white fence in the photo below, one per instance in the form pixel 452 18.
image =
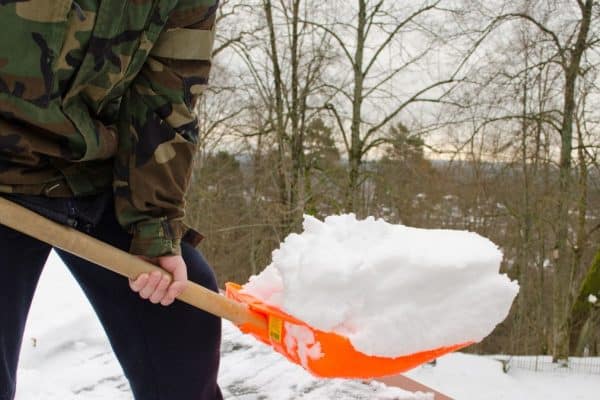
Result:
pixel 581 365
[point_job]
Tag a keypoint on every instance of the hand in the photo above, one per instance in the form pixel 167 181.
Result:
pixel 156 286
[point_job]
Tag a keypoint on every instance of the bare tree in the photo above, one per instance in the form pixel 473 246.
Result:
pixel 562 44
pixel 569 53
pixel 372 37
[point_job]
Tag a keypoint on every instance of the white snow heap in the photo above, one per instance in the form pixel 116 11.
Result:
pixel 592 299
pixel 392 290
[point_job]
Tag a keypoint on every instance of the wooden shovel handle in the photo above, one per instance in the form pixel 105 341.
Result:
pixel 91 249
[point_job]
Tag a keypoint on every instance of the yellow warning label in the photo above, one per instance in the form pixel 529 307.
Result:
pixel 275 329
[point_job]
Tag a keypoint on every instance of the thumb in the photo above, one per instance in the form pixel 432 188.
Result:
pixel 175 265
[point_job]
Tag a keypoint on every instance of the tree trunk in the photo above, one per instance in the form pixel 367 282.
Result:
pixel 356 145
pixel 562 297
pixel 581 310
pixel 297 150
pixel 282 174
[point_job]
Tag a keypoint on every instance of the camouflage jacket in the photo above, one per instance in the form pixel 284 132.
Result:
pixel 99 93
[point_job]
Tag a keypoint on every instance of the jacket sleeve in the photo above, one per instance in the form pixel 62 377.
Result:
pixel 158 131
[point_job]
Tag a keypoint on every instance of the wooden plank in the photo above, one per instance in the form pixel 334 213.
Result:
pixel 408 384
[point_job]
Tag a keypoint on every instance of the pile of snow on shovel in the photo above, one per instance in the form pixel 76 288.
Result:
pixel 392 290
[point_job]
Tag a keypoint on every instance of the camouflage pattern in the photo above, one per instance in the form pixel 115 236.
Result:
pixel 99 93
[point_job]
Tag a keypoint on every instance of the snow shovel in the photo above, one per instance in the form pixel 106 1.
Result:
pixel 327 354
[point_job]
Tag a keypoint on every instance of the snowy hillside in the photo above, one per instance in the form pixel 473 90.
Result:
pixel 66 356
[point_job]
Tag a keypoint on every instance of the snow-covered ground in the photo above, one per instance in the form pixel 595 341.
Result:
pixel 66 356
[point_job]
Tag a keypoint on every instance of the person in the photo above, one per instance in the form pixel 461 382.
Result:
pixel 97 131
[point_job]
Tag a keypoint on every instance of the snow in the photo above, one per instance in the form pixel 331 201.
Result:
pixel 592 299
pixel 66 356
pixel 362 277
pixel 464 376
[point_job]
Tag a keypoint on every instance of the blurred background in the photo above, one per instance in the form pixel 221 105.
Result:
pixel 464 114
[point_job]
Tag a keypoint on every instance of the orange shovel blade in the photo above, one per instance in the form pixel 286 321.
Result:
pixel 324 354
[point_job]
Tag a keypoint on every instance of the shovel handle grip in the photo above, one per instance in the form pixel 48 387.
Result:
pixel 84 246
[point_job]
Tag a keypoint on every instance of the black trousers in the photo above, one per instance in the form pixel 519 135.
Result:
pixel 167 353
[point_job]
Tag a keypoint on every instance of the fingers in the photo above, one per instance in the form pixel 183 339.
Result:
pixel 176 266
pixel 157 287
pixel 175 290
pixel 161 290
pixel 139 283
pixel 152 286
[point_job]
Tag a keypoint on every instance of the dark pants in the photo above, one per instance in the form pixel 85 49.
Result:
pixel 167 353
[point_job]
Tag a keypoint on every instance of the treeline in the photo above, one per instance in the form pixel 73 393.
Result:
pixel 455 114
